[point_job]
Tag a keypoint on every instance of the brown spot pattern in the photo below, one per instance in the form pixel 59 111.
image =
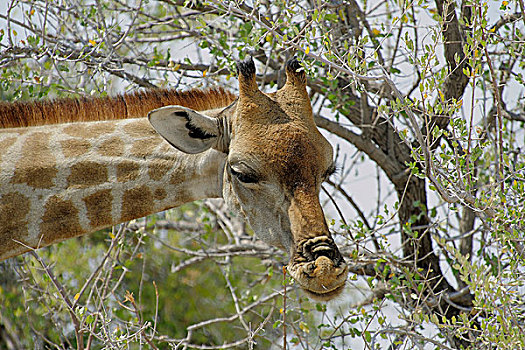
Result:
pixel 136 203
pixel 144 148
pixel 166 147
pixel 76 130
pixel 14 208
pixel 112 147
pixel 5 144
pixel 139 128
pixel 158 168
pixel 183 195
pixel 99 129
pixel 36 166
pixel 60 221
pixel 127 171
pixel 177 177
pixel 99 206
pixel 75 147
pixel 87 174
pixel 160 194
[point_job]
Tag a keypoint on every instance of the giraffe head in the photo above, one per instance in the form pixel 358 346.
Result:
pixel 275 160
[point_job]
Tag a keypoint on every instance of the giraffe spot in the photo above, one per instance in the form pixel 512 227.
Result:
pixel 184 196
pixel 76 130
pixel 87 174
pixel 99 206
pixel 100 128
pixel 75 147
pixel 139 128
pixel 14 208
pixel 160 194
pixel 166 148
pixel 183 193
pixel 177 177
pixel 158 168
pixel 136 203
pixel 60 221
pixel 89 129
pixel 127 171
pixel 5 144
pixel 112 147
pixel 36 166
pixel 146 147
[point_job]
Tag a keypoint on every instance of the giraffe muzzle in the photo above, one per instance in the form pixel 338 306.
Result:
pixel 319 268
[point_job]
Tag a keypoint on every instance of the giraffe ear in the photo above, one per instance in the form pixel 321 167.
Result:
pixel 185 129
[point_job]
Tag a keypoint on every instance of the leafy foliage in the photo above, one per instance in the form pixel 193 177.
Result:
pixel 426 96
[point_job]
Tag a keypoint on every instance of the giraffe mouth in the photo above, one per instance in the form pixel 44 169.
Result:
pixel 319 268
pixel 325 295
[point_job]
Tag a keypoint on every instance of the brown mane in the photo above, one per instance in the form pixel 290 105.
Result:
pixel 132 105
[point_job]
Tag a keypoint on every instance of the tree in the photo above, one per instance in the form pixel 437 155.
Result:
pixel 430 93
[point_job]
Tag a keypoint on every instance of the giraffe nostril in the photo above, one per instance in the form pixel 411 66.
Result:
pixel 321 246
pixel 322 249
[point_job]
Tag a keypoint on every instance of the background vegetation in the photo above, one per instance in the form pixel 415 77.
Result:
pixel 424 101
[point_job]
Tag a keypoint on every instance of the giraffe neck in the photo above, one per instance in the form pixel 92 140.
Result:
pixel 67 180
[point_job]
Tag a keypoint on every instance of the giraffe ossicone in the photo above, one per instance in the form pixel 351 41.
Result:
pixel 261 152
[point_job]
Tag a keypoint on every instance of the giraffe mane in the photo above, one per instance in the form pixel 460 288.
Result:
pixel 131 105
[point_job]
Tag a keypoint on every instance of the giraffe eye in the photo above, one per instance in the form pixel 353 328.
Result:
pixel 244 176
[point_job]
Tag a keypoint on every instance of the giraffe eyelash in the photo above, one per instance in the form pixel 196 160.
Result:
pixel 332 170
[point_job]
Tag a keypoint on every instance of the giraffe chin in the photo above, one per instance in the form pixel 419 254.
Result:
pixel 322 279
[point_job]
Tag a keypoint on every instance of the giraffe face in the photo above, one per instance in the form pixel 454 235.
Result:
pixel 275 162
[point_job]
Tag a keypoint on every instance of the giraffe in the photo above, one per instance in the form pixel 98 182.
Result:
pixel 71 167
